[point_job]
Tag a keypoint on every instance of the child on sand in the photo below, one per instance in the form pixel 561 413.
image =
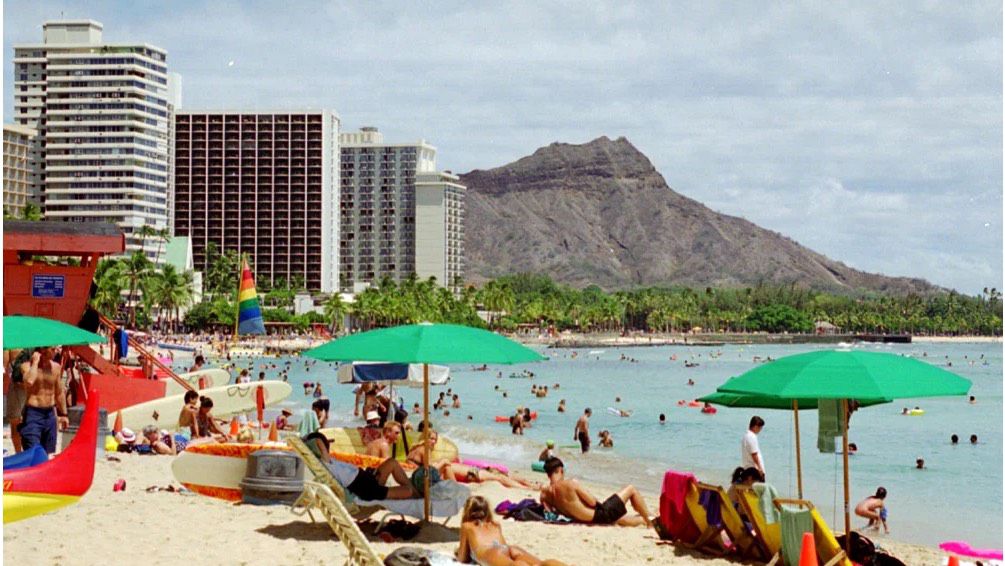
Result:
pixel 874 509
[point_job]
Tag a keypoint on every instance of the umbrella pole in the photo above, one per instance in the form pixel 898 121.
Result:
pixel 844 456
pixel 799 461
pixel 426 431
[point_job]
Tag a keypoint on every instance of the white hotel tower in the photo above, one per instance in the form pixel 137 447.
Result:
pixel 103 113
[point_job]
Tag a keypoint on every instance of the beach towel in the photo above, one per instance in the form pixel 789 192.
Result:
pixel 830 425
pixel 795 522
pixel 309 423
pixel 675 520
pixel 712 503
pixel 766 495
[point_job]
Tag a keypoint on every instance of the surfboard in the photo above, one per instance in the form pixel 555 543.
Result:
pixel 228 400
pixel 213 377
pixel 216 470
pixel 349 440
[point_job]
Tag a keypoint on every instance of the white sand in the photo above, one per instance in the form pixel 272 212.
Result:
pixel 136 527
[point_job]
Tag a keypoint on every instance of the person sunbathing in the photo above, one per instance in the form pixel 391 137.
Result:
pixel 367 484
pixel 569 498
pixel 383 445
pixel 417 455
pixel 483 543
pixel 470 474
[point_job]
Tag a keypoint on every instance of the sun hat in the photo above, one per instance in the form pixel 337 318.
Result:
pixel 127 435
pixel 287 412
pixel 551 444
pixel 372 416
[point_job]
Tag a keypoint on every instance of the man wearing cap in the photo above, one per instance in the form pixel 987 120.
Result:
pixel 548 452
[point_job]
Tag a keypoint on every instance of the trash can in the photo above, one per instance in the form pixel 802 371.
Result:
pixel 273 477
pixel 76 414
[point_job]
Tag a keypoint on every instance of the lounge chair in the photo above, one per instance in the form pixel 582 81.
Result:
pixel 767 536
pixel 447 498
pixel 829 552
pixel 742 540
pixel 330 503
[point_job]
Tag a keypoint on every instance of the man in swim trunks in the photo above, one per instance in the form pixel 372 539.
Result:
pixel 567 497
pixel 874 509
pixel 366 484
pixel 582 431
pixel 45 407
pixel 189 414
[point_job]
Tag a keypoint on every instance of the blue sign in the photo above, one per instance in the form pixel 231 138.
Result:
pixel 47 286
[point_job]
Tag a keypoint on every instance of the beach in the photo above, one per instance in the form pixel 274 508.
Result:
pixel 162 528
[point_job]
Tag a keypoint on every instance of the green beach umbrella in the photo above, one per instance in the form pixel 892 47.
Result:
pixel 846 375
pixel 738 400
pixel 21 332
pixel 426 344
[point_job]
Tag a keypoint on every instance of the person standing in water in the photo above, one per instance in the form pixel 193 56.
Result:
pixel 582 431
pixel 750 451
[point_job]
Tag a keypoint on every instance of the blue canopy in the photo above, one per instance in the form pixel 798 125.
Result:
pixel 379 372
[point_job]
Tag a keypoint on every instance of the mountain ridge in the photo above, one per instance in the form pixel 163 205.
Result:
pixel 600 213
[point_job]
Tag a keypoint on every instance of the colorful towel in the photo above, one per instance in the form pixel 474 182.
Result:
pixel 249 312
pixel 712 503
pixel 766 495
pixel 309 423
pixel 795 523
pixel 674 517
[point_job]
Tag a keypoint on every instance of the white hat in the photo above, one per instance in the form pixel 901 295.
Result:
pixel 127 435
pixel 372 416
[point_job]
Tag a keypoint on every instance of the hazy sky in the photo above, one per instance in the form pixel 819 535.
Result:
pixel 870 132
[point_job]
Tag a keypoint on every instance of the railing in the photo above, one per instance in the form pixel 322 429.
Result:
pixel 144 353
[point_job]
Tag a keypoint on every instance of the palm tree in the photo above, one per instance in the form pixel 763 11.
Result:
pixel 335 310
pixel 171 291
pixel 110 282
pixel 136 267
pixel 32 212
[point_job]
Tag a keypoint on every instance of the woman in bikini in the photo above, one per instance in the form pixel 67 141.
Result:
pixel 482 540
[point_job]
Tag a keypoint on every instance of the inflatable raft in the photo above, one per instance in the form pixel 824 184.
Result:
pixel 59 482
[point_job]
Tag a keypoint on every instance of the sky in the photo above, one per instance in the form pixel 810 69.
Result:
pixel 869 132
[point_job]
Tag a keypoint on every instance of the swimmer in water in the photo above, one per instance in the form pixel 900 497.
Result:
pixel 954 440
pixel 919 464
pixel 663 419
pixel 973 439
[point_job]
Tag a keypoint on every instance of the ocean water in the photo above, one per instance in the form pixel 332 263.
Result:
pixel 958 496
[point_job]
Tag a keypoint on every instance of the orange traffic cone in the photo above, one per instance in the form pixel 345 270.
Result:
pixel 808 555
pixel 235 427
pixel 273 433
pixel 202 383
pixel 953 560
pixel 117 427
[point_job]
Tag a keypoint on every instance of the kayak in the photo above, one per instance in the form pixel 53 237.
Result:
pixel 58 482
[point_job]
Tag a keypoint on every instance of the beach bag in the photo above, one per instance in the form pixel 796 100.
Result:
pixel 408 556
pixel 419 475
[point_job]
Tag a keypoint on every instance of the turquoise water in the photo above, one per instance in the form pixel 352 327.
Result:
pixel 958 496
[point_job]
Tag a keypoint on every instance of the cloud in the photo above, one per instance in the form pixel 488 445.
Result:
pixel 763 111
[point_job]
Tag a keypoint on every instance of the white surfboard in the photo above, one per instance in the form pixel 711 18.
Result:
pixel 213 377
pixel 228 400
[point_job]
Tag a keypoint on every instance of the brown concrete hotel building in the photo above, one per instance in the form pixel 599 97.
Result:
pixel 264 184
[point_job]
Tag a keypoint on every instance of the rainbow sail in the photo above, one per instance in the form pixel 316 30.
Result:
pixel 249 313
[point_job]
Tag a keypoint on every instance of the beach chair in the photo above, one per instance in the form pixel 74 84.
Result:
pixel 829 552
pixel 767 536
pixel 742 540
pixel 447 498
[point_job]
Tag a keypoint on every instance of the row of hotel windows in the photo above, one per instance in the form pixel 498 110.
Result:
pixel 98 106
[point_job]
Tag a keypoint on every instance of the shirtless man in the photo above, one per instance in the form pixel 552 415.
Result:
pixel 199 362
pixel 582 432
pixel 874 509
pixel 569 498
pixel 189 414
pixel 383 446
pixel 45 408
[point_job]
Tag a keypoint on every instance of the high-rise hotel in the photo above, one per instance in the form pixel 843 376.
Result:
pixel 398 215
pixel 263 184
pixel 102 111
pixel 21 169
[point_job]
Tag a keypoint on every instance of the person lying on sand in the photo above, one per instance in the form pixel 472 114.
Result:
pixel 569 498
pixel 470 474
pixel 366 484
pixel 482 541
